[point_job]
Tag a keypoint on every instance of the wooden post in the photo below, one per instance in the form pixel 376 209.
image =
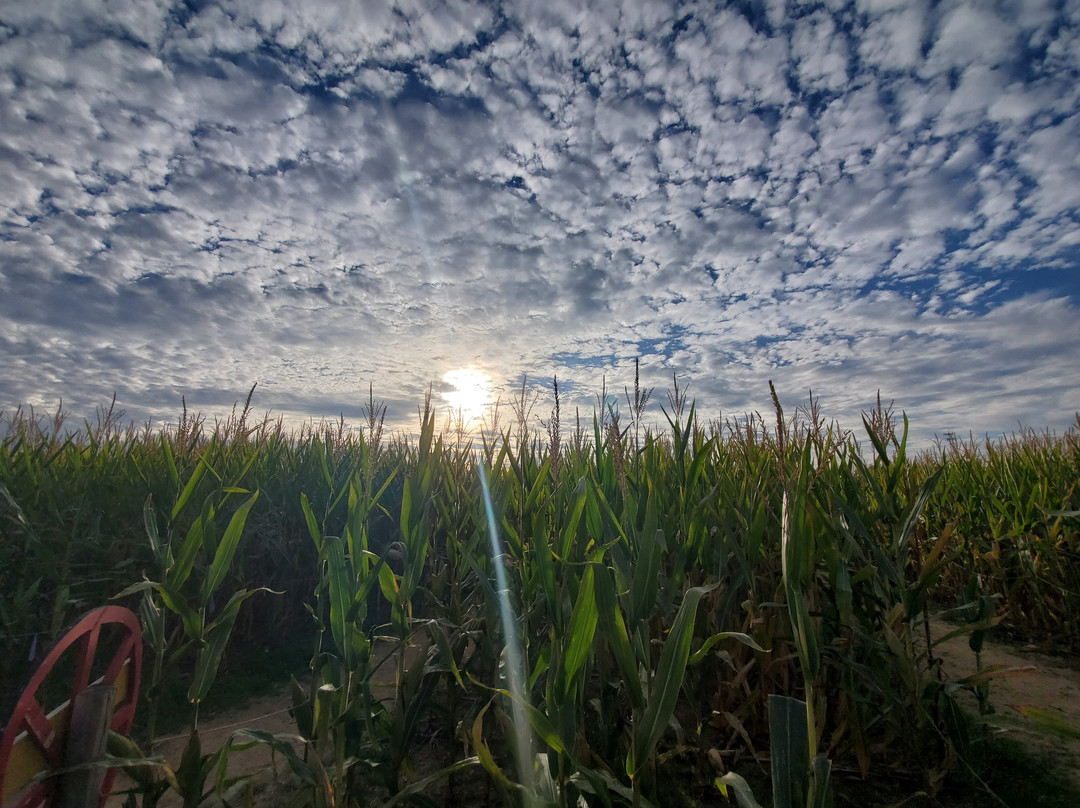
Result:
pixel 91 712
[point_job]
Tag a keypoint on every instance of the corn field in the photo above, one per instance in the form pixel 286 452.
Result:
pixel 635 612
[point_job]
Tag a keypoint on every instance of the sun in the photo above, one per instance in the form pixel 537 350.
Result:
pixel 471 394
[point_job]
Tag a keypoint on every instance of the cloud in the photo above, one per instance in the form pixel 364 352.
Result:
pixel 318 196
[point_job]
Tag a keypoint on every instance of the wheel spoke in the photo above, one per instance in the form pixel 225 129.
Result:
pixel 87 649
pixel 122 655
pixel 41 730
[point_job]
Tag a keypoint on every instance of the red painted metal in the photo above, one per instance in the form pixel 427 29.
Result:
pixel 29 715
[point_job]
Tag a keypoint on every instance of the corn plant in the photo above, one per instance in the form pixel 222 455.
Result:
pixel 183 619
pixel 349 733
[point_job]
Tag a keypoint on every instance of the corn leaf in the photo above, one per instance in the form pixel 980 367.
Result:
pixel 614 630
pixel 790 759
pixel 745 639
pixel 483 753
pixel 580 634
pixel 744 795
pixel 665 686
pixel 340 586
pixel 189 489
pixel 1051 721
pixel 312 525
pixel 227 549
pixel 217 636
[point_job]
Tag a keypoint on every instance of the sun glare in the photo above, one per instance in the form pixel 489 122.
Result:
pixel 471 394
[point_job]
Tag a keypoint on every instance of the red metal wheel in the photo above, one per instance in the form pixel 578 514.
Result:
pixel 33 740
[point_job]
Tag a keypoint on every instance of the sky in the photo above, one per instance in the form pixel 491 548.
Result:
pixel 321 196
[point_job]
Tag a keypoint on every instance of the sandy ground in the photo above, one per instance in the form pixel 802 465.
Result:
pixel 1027 678
pixel 269 713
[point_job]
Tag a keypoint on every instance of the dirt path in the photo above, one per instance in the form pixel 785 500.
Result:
pixel 1030 679
pixel 270 713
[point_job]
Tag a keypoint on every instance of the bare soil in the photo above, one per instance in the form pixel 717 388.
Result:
pixel 270 713
pixel 1025 677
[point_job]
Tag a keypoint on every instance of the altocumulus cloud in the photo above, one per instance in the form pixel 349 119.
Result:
pixel 839 196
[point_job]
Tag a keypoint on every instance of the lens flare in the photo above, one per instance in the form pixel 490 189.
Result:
pixel 515 671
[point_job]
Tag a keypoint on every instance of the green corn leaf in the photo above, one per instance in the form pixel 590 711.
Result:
pixel 796 542
pixel 969 628
pixel 189 489
pixel 841 583
pixel 337 498
pixel 407 509
pixel 580 634
pixel 647 567
pixel 806 640
pixel 599 782
pixel 569 533
pixel 187 776
pixel 417 787
pixel 598 500
pixel 537 720
pixel 413 698
pixel 208 521
pixel 152 622
pixel 302 711
pixel 790 757
pixel 227 549
pixel 369 578
pixel 150 521
pixel 185 559
pixel 614 630
pixel 745 639
pixel 694 471
pixel 543 662
pixel 354 525
pixel 324 466
pixel 665 686
pixel 174 602
pixel 217 637
pixel 170 461
pixel 340 586
pixel 281 744
pixel 544 565
pixel 388 583
pixel 312 525
pixel 537 489
pixel 821 768
pixel 438 636
pixel 646 581
pixel 912 520
pixel 594 521
pixel 932 564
